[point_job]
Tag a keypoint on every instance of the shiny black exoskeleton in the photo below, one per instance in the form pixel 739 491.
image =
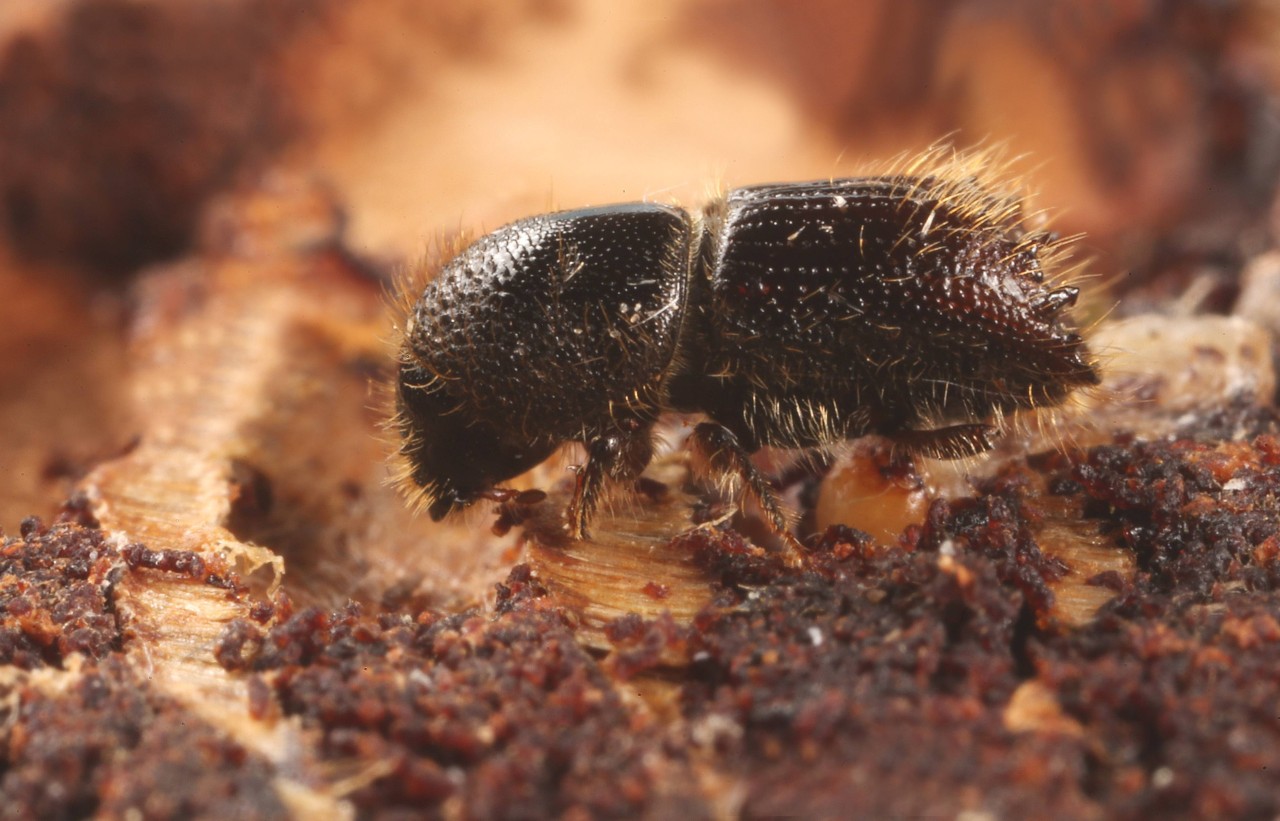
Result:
pixel 794 315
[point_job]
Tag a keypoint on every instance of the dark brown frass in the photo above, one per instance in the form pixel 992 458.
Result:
pixel 793 315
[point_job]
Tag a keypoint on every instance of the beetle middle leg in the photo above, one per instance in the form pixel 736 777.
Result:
pixel 725 453
pixel 616 455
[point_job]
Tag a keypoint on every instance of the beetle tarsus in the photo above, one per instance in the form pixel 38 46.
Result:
pixel 725 454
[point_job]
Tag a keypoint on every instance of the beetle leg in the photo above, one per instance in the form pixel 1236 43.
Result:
pixel 615 455
pixel 951 442
pixel 725 454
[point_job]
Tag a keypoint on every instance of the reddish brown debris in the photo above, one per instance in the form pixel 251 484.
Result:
pixel 55 595
pixel 506 717
pixel 878 684
pixel 882 680
pixel 104 745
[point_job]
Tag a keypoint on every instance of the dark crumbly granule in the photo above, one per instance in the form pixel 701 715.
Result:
pixel 90 736
pixel 184 563
pixel 56 590
pixel 874 686
pixel 1200 517
pixel 55 595
pixel 1178 705
pixel 879 683
pixel 507 717
pixel 1176 680
pixel 107 746
pixel 882 680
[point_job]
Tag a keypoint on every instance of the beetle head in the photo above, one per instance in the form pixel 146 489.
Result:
pixel 451 455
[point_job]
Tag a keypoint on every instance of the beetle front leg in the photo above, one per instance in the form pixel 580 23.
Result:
pixel 613 456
